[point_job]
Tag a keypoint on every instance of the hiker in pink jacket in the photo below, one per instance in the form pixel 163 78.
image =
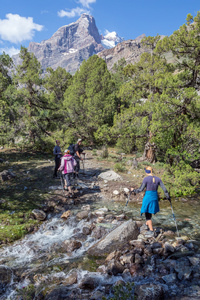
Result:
pixel 67 167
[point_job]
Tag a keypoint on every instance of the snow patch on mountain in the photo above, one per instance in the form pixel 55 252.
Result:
pixel 111 39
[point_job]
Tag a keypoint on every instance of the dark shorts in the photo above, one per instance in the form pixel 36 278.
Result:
pixel 68 177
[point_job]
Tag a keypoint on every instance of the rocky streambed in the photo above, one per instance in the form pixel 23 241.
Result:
pixel 96 248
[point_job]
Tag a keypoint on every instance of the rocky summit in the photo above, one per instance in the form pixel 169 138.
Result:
pixel 69 45
pixel 73 43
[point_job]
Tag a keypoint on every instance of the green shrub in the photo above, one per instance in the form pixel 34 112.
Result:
pixel 104 153
pixel 119 167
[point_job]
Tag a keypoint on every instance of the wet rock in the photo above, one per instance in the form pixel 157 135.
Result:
pixel 6 275
pixel 1 160
pixel 183 268
pixel 156 245
pixel 127 258
pixel 87 230
pixel 171 278
pixel 88 283
pixel 137 250
pixel 86 207
pixel 97 296
pixel 57 294
pixel 148 251
pixel 168 248
pixel 138 259
pixel 99 232
pixel 169 233
pixel 39 214
pixel 121 217
pixel 66 214
pixel 82 215
pixel 114 254
pixel 79 236
pixel 158 251
pixel 137 243
pixel 102 269
pixel 115 239
pixel 134 269
pixel 6 175
pixel 194 260
pixel 149 292
pixel 115 267
pixel 71 245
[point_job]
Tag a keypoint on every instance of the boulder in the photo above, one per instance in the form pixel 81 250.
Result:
pixel 110 175
pixel 116 239
pixel 115 267
pixel 39 214
pixel 71 279
pixel 88 283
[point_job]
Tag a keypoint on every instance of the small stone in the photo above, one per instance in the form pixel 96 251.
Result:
pixel 39 214
pixel 66 214
pixel 82 215
pixel 138 259
pixel 168 248
pixel 126 190
pixel 86 207
pixel 115 192
pixel 171 278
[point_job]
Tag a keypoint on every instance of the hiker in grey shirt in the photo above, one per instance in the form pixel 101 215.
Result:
pixel 58 154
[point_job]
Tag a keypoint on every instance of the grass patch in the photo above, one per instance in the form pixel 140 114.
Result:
pixel 27 191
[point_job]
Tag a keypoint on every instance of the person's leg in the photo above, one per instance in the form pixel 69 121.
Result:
pixel 57 164
pixel 68 179
pixel 77 167
pixel 149 221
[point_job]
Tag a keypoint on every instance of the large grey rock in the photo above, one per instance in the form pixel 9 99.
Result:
pixel 115 239
pixel 110 175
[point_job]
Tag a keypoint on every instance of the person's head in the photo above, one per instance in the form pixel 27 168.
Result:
pixel 67 151
pixel 57 142
pixel 149 171
pixel 79 141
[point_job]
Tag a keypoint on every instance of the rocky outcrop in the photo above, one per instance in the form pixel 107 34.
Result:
pixel 130 50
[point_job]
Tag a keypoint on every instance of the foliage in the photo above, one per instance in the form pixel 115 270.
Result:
pixel 119 167
pixel 27 292
pixel 124 292
pixel 89 101
pixel 104 153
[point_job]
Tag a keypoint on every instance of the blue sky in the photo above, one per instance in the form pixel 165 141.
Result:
pixel 23 21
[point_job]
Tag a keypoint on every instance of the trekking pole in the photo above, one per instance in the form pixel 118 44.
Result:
pixel 83 163
pixel 129 195
pixel 174 219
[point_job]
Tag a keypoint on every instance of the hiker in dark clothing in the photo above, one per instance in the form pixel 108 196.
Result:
pixel 77 155
pixel 150 201
pixel 58 154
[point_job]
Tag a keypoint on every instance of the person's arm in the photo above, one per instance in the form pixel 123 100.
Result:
pixel 61 168
pixel 142 187
pixel 54 151
pixel 165 190
pixel 76 148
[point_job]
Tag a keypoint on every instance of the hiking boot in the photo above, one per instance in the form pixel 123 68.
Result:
pixel 150 234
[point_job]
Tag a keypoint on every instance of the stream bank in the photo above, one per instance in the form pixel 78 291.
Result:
pixel 55 262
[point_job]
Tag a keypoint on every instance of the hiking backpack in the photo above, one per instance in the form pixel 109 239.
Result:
pixel 71 148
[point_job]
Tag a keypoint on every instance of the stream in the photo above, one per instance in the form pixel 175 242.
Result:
pixel 40 259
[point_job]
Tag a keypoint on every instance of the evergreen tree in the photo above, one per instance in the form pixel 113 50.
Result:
pixel 89 101
pixel 34 108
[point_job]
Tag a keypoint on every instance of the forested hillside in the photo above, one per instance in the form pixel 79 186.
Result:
pixel 152 101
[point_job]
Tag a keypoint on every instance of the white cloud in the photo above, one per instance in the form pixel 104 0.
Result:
pixel 11 51
pixel 16 29
pixel 86 3
pixel 72 13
